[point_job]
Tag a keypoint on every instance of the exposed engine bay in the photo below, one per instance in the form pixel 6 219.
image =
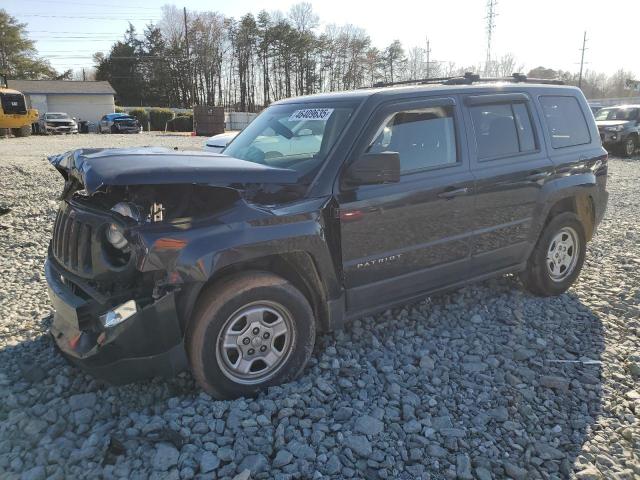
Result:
pixel 160 203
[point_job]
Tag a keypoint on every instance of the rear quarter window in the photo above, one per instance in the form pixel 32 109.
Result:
pixel 565 122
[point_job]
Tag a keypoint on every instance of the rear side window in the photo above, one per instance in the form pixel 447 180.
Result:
pixel 424 138
pixel 502 129
pixel 565 121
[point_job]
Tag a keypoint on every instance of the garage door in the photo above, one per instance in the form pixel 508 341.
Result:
pixel 82 107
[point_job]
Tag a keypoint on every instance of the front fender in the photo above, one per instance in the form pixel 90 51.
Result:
pixel 197 254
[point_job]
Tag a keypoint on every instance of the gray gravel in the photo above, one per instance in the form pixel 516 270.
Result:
pixel 486 382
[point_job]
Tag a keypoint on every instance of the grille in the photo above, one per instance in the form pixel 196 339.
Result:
pixel 13 103
pixel 72 242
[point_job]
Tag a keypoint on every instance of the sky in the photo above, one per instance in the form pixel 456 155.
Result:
pixel 545 33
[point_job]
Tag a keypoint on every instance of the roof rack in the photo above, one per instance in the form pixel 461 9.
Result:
pixel 469 78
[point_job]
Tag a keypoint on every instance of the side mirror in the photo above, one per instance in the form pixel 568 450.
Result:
pixel 374 168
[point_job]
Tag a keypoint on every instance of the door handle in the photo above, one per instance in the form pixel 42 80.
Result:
pixel 453 192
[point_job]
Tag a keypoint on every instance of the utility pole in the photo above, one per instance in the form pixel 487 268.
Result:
pixel 490 25
pixel 84 76
pixel 428 58
pixel 584 47
pixel 186 44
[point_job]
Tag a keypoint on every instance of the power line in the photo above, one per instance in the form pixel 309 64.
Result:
pixel 125 17
pixel 109 5
pixel 83 33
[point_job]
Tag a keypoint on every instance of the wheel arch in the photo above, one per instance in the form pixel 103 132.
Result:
pixel 582 204
pixel 297 267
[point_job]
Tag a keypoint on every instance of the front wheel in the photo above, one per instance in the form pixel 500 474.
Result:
pixel 556 261
pixel 249 332
pixel 629 147
pixel 22 131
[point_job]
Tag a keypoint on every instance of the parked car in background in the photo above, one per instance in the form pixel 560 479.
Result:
pixel 595 107
pixel 323 209
pixel 57 122
pixel 619 128
pixel 218 143
pixel 119 123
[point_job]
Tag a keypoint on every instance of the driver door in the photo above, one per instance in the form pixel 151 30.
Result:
pixel 405 239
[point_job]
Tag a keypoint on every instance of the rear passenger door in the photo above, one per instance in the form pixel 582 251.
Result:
pixel 403 239
pixel 510 166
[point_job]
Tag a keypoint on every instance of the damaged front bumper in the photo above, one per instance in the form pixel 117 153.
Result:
pixel 147 343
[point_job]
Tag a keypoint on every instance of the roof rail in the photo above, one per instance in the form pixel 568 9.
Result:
pixel 469 78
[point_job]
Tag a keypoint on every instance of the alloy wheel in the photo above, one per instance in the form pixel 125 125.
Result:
pixel 255 342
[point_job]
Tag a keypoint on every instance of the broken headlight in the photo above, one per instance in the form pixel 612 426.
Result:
pixel 115 233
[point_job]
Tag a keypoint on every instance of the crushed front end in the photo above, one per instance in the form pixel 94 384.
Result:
pixel 112 320
pixel 133 243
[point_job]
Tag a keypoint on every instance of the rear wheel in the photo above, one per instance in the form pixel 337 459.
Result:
pixel 556 261
pixel 252 331
pixel 22 131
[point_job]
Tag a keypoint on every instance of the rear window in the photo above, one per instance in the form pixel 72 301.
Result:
pixel 502 129
pixel 565 121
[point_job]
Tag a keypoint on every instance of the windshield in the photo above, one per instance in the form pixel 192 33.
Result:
pixel 298 136
pixel 57 116
pixel 617 114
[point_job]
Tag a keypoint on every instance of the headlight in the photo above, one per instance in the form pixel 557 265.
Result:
pixel 115 236
pixel 115 233
pixel 617 128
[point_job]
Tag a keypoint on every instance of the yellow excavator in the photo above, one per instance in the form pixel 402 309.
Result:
pixel 14 113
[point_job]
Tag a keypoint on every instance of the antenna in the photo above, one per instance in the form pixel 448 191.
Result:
pixel 491 24
pixel 584 47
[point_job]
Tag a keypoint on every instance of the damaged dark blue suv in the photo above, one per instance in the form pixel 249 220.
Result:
pixel 323 209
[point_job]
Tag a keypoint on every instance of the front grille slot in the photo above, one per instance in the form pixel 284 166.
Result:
pixel 71 244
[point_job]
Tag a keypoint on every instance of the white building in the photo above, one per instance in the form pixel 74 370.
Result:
pixel 81 100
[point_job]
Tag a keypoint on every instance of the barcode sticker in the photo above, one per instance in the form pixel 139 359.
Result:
pixel 311 114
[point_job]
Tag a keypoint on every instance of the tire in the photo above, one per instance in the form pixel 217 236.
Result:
pixel 628 148
pixel 250 307
pixel 539 277
pixel 22 131
pixel 114 129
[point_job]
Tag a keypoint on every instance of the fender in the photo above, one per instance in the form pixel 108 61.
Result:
pixel 556 190
pixel 198 254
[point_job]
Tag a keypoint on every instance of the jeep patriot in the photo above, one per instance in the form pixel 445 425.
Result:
pixel 325 208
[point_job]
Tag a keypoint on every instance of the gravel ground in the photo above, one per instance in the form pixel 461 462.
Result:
pixel 486 382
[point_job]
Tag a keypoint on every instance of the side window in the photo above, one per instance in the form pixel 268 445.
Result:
pixel 424 138
pixel 565 121
pixel 502 129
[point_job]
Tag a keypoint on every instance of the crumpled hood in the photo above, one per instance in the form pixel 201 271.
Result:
pixel 611 123
pixel 96 168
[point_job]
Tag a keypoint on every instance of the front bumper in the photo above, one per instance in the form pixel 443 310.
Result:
pixel 613 138
pixel 148 343
pixel 128 129
pixel 61 129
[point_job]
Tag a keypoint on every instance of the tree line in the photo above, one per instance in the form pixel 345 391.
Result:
pixel 245 64
pixel 248 63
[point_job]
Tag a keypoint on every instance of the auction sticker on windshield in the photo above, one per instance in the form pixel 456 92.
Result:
pixel 311 114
